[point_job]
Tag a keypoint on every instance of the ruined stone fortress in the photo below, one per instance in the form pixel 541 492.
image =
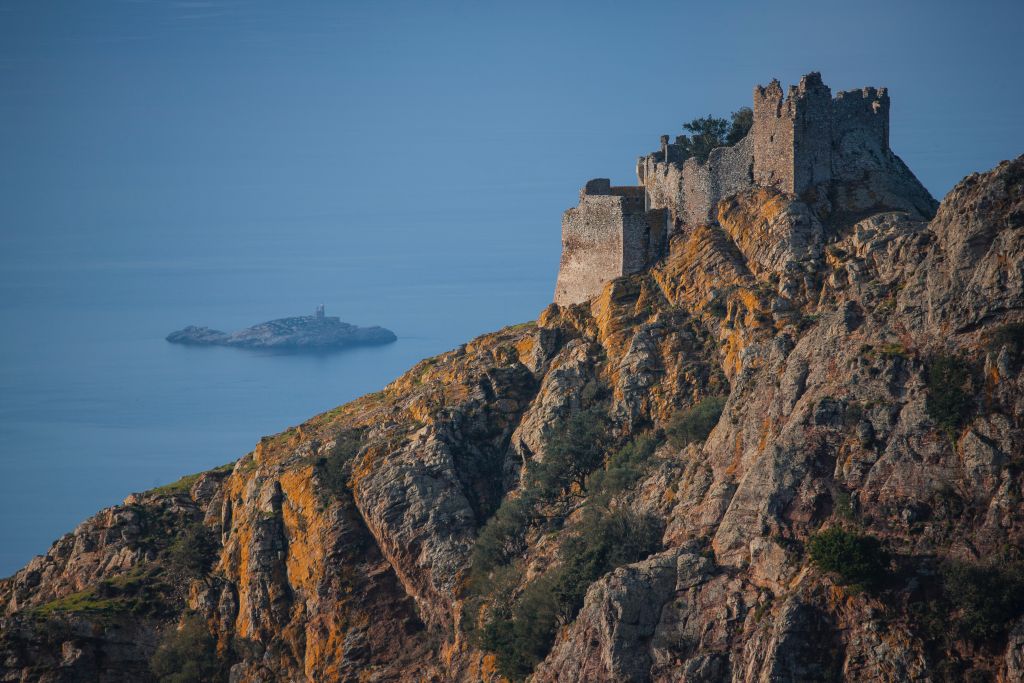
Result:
pixel 832 152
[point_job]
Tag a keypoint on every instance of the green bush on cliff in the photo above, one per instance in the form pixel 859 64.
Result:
pixel 858 560
pixel 984 600
pixel 603 541
pixel 521 635
pixel 570 456
pixel 519 626
pixel 193 550
pixel 623 468
pixel 187 654
pixel 948 402
pixel 503 537
pixel 695 423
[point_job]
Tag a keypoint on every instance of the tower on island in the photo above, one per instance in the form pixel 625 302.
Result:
pixel 319 313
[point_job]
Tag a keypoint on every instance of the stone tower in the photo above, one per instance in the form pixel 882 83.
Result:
pixel 792 137
pixel 608 235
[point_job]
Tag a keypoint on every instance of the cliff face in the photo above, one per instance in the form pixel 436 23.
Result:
pixel 874 375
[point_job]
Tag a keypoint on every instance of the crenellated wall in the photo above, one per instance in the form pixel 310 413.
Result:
pixel 689 189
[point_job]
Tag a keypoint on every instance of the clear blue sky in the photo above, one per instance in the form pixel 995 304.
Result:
pixel 146 126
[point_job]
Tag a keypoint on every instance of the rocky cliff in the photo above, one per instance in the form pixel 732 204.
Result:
pixel 790 451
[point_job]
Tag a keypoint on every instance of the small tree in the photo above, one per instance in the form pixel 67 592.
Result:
pixel 742 121
pixel 709 132
pixel 706 133
pixel 193 550
pixel 987 599
pixel 187 654
pixel 857 560
pixel 948 402
pixel 694 424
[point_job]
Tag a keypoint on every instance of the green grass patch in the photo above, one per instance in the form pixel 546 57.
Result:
pixel 140 591
pixel 180 487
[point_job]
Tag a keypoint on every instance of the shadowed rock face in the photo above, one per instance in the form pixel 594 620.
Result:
pixel 340 549
pixel 301 333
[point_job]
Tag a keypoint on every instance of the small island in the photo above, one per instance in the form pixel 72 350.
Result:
pixel 317 332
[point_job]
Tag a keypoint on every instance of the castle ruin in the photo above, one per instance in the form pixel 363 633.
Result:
pixel 832 152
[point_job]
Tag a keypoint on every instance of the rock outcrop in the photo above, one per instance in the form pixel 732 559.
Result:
pixel 874 375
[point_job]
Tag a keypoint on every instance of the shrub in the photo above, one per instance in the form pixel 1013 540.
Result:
pixel 602 542
pixel 573 453
pixel 333 469
pixel 187 654
pixel 520 636
pixel 695 423
pixel 1011 335
pixel 192 551
pixel 503 537
pixel 986 599
pixel 858 560
pixel 948 403
pixel 709 132
pixel 742 122
pixel 570 456
pixel 623 468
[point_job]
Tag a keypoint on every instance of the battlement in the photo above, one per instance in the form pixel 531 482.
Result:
pixel 792 138
pixel 864 110
pixel 632 197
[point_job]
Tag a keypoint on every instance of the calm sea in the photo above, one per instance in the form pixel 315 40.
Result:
pixel 94 404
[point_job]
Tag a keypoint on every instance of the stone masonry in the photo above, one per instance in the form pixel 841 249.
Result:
pixel 610 234
pixel 833 152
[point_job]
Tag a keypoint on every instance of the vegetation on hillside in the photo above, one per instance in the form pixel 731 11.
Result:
pixel 856 560
pixel 949 402
pixel 519 624
pixel 695 423
pixel 187 654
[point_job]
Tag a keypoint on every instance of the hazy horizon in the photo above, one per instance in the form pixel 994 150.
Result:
pixel 226 162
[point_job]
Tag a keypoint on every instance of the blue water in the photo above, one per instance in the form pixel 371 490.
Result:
pixel 94 404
